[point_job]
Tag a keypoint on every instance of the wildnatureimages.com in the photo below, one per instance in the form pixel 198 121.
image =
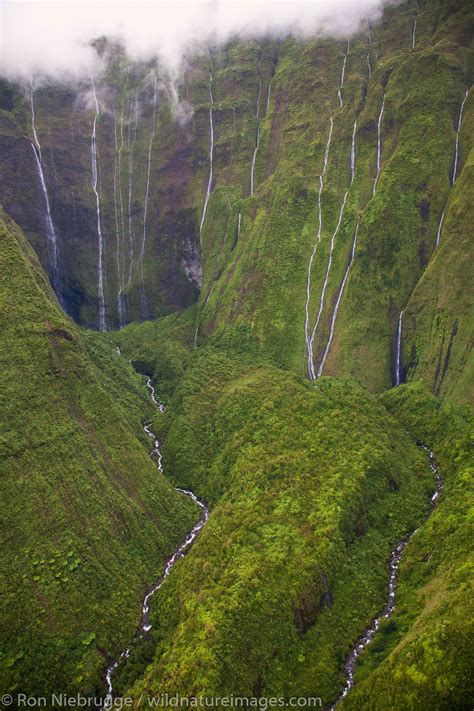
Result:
pixel 236 268
pixel 64 701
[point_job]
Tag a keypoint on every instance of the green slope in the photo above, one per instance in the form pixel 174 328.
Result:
pixel 87 520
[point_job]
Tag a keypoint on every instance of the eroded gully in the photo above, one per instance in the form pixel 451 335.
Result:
pixel 369 633
pixel 145 623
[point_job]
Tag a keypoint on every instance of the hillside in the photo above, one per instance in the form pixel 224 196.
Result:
pixel 276 239
pixel 86 518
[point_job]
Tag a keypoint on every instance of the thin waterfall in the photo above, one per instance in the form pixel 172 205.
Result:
pixel 309 353
pixel 117 221
pixel 440 227
pixel 455 168
pixel 325 283
pixel 353 152
pixel 143 300
pixel 100 268
pixel 379 144
pixel 211 149
pixel 51 238
pixel 198 322
pixel 413 35
pixel 131 150
pixel 239 221
pixel 456 154
pixel 257 137
pixel 338 302
pixel 399 365
pixel 120 265
pixel 369 65
pixel 343 73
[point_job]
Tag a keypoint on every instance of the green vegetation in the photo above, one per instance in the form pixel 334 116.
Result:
pixel 87 520
pixel 424 655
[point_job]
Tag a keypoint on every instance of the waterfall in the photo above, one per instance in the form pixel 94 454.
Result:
pixel 211 150
pixel 325 283
pixel 309 352
pixel 239 221
pixel 143 300
pixel 413 36
pixel 379 144
pixel 398 371
pixel 343 72
pixel 440 226
pixel 131 149
pixel 196 332
pixel 353 152
pixel 257 138
pixel 120 262
pixel 51 238
pixel 369 65
pixel 100 269
pixel 234 128
pixel 338 302
pixel 456 154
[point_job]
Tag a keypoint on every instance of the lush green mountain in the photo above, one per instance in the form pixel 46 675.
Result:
pixel 325 231
pixel 87 519
pixel 401 83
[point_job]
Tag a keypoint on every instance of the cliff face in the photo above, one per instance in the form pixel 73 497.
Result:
pixel 312 142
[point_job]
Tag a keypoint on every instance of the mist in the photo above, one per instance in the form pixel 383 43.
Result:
pixel 52 38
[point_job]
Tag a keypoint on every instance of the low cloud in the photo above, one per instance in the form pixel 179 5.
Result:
pixel 52 38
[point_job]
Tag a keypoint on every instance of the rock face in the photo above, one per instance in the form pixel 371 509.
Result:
pixel 376 118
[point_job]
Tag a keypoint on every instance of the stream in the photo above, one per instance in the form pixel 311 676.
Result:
pixel 145 624
pixel 368 635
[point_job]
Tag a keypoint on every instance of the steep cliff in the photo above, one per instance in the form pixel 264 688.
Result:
pixel 309 140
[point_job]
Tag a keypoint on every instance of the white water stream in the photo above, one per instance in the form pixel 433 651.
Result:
pixel 398 367
pixel 143 299
pixel 413 36
pixel 456 152
pixel 338 302
pixel 121 257
pixel 309 353
pixel 145 624
pixel 211 151
pixel 395 557
pixel 95 178
pixel 379 144
pixel 131 150
pixel 51 237
pixel 343 73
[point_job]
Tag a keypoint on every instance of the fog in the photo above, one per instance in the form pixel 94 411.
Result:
pixel 53 38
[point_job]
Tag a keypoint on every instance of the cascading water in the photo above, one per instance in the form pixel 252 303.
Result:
pixel 143 299
pixel 325 283
pixel 343 73
pixel 379 144
pixel 239 223
pixel 131 150
pixel 257 137
pixel 120 257
pixel 51 237
pixel 413 35
pixel 95 178
pixel 395 557
pixel 211 150
pixel 145 624
pixel 456 153
pixel 198 322
pixel 338 302
pixel 440 227
pixel 309 351
pixel 354 130
pixel 399 365
pixel 455 167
